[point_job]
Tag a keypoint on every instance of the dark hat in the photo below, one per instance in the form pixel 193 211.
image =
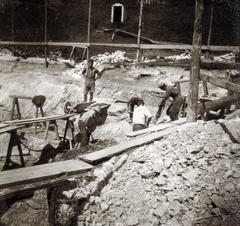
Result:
pixel 161 84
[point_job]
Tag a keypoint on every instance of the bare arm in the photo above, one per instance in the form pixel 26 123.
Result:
pixel 99 73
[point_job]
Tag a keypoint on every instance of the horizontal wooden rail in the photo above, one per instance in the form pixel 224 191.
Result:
pixel 221 83
pixel 21 97
pixel 76 44
pixel 40 119
pixel 123 45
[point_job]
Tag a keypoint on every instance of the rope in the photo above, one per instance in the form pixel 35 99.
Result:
pixel 30 149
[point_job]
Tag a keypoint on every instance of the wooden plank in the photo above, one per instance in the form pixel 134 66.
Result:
pixel 21 97
pixel 231 131
pixel 38 173
pixel 149 130
pixel 157 128
pixel 120 148
pixel 25 189
pixel 40 119
pixel 124 45
pixel 3 125
pixel 77 44
pixel 217 104
pixel 221 83
pixel 10 128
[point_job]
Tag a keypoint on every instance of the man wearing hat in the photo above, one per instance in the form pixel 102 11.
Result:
pixel 174 108
pixel 87 124
pixel 91 74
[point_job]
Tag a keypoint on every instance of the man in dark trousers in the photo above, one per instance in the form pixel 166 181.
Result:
pixel 174 108
pixel 91 74
pixel 87 124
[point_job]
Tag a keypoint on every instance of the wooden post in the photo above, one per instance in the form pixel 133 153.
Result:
pixel 89 30
pixel 45 47
pixel 13 34
pixel 210 25
pixel 195 64
pixel 210 31
pixel 139 31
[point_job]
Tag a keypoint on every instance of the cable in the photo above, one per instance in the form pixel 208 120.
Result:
pixel 30 149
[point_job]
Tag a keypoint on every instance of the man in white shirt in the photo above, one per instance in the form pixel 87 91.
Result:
pixel 132 102
pixel 141 117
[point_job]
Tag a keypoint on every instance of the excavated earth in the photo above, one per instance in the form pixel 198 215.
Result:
pixel 189 177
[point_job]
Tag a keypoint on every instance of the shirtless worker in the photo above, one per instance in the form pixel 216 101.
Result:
pixel 174 108
pixel 91 74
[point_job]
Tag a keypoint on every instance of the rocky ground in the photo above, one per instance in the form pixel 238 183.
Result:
pixel 190 177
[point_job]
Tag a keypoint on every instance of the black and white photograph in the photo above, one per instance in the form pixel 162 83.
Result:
pixel 119 112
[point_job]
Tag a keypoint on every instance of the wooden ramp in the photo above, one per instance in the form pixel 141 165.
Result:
pixel 157 128
pixel 120 148
pixel 36 177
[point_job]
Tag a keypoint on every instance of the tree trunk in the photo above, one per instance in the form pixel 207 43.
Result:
pixel 195 64
pixel 139 31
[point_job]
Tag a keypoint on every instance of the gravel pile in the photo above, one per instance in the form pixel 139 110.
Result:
pixel 190 177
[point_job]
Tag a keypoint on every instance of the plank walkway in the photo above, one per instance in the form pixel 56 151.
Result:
pixel 27 175
pixel 120 148
pixel 157 127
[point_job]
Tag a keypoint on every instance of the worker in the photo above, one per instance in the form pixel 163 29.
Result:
pixel 87 124
pixel 132 102
pixel 91 74
pixel 174 108
pixel 141 117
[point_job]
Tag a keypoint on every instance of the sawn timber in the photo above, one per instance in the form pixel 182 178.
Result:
pixel 109 152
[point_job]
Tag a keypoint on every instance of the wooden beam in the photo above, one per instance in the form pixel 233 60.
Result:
pixel 27 175
pixel 40 119
pixel 195 64
pixel 20 97
pixel 231 131
pixel 14 192
pixel 221 83
pixel 121 45
pixel 217 104
pixel 120 148
pixel 157 128
pixel 10 128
